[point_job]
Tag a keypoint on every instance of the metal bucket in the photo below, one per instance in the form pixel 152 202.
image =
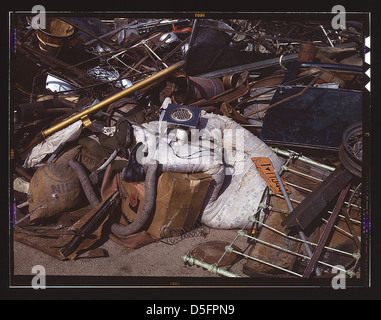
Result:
pixel 57 32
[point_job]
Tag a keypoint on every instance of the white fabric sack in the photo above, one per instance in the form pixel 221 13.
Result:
pixel 50 144
pixel 224 150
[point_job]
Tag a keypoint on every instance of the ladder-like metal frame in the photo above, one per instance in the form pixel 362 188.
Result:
pixel 313 261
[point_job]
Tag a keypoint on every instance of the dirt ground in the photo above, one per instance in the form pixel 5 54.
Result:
pixel 158 259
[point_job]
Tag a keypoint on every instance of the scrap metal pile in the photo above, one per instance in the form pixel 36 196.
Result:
pixel 141 129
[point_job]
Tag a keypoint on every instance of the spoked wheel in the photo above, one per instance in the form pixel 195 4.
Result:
pixel 350 151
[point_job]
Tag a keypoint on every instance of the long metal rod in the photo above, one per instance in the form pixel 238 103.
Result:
pixel 285 99
pixel 288 251
pixel 326 232
pixel 250 66
pixel 301 158
pixel 28 215
pixel 330 212
pixel 344 232
pixel 209 267
pixel 308 190
pixel 140 85
pixel 300 240
pixel 304 175
pixel 268 263
pixel 325 33
pixel 154 53
pixel 291 208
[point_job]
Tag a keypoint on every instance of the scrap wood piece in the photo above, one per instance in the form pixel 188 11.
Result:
pixel 47 245
pixel 316 201
pixel 89 229
pixel 50 243
pixel 323 239
pixel 49 238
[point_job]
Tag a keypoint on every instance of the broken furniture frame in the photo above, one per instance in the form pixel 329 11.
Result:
pixel 316 258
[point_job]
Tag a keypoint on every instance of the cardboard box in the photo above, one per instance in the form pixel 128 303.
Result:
pixel 179 199
pixel 132 198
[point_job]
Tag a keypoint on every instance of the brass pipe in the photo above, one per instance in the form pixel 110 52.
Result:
pixel 140 85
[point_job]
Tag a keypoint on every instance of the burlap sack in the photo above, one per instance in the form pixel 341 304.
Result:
pixel 55 188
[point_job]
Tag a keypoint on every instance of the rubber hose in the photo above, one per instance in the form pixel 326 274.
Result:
pixel 148 205
pixel 85 182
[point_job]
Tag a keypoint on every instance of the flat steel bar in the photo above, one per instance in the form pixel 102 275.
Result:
pixel 326 232
pixel 316 201
pixel 250 66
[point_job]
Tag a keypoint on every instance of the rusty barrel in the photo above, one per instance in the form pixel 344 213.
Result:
pixel 201 88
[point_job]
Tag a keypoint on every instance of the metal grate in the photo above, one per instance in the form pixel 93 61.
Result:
pixel 181 115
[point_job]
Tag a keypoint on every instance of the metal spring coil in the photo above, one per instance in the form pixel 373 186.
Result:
pixel 172 235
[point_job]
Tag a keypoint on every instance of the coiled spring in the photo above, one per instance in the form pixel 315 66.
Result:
pixel 175 235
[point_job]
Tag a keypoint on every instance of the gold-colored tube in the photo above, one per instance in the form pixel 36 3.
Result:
pixel 140 85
